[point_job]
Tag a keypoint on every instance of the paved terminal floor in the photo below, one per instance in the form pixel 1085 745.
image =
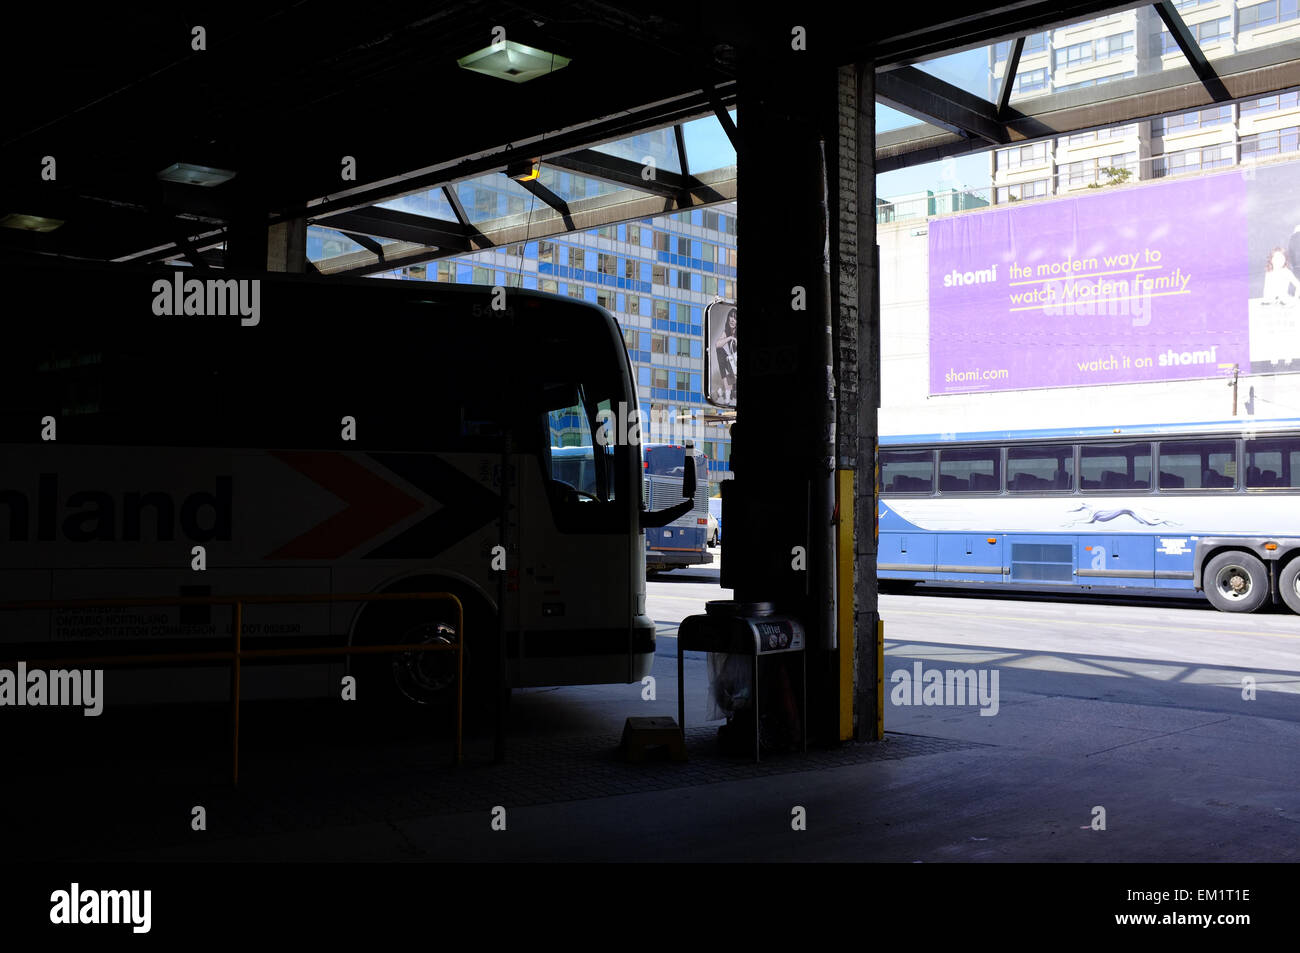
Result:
pixel 1130 713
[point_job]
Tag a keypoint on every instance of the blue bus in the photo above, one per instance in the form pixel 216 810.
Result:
pixel 1210 508
pixel 683 542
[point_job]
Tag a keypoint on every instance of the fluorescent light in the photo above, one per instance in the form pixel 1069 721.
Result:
pixel 189 174
pixel 513 61
pixel 30 223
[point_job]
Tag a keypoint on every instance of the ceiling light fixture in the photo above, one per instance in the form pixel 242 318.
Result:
pixel 30 223
pixel 512 61
pixel 187 173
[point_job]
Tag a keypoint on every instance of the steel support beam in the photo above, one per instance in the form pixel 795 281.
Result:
pixel 1009 77
pixel 1192 50
pixel 1244 75
pixel 920 94
pixel 608 209
pixel 404 226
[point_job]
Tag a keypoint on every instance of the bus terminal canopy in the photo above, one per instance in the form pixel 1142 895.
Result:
pixel 172 141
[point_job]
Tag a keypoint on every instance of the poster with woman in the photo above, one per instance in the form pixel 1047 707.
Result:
pixel 720 355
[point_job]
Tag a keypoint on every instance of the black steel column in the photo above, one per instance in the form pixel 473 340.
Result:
pixel 786 116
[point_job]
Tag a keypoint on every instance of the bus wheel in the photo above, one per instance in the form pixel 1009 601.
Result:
pixel 1235 582
pixel 1288 584
pixel 426 680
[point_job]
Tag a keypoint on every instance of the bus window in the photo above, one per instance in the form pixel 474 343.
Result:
pixel 1273 463
pixel 906 471
pixel 1198 464
pixel 1031 469
pixel 1110 467
pixel 976 470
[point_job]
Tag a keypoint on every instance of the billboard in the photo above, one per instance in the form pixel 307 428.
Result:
pixel 720 359
pixel 1170 281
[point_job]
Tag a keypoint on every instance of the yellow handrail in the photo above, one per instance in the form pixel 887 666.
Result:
pixel 239 653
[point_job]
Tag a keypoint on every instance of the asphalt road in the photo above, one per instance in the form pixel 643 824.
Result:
pixel 1177 653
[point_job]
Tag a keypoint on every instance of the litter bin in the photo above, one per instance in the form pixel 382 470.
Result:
pixel 752 629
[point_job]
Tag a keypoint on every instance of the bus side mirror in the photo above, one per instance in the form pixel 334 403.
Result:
pixel 677 510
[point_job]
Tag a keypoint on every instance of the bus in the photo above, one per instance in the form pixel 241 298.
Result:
pixel 684 542
pixel 318 436
pixel 1210 508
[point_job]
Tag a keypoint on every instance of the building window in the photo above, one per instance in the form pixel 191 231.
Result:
pixel 634 234
pixel 481 276
pixel 1079 54
pixel 1270 104
pixel 661 241
pixel 575 290
pixel 1190 160
pixel 683 279
pixel 576 257
pixel 631 269
pixel 546 251
pixel 1203 33
pixel 658 344
pixel 550 285
pixel 1266 14
pixel 659 377
pixel 661 309
pixel 659 275
pixel 1277 142
pixel 1034 43
pixel 1102 135
pixel 684 313
pixel 711 220
pixel 1089 171
pixel 682 380
pixel 1029 80
pixel 1022 190
pixel 684 246
pixel 1199 119
pixel 630 338
pixel 1033 155
pixel 607 264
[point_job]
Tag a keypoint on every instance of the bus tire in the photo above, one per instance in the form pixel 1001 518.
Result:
pixel 1235 581
pixel 1288 584
pixel 416 683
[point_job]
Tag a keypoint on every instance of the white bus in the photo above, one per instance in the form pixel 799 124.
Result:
pixel 316 437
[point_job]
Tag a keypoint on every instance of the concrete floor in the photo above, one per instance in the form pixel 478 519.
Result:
pixel 1135 709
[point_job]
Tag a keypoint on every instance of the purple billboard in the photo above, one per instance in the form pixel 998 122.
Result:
pixel 1149 283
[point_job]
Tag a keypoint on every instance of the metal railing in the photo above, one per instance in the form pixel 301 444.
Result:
pixel 237 653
